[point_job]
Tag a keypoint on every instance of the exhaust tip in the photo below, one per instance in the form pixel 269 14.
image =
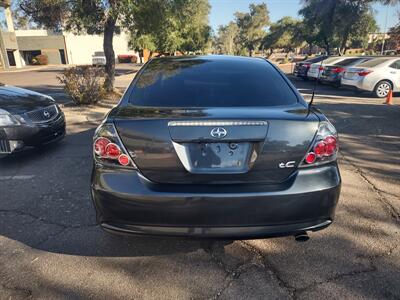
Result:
pixel 301 237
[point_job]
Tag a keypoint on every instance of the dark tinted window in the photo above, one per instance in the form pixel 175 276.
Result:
pixel 348 61
pixel 316 59
pixel 211 82
pixel 395 65
pixel 374 62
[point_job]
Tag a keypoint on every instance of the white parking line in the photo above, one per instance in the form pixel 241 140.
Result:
pixel 17 177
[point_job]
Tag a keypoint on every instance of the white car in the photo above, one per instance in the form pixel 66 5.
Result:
pixel 98 59
pixel 316 69
pixel 379 75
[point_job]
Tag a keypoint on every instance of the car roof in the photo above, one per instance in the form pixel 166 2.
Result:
pixel 217 58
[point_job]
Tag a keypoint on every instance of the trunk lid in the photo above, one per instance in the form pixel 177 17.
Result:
pixel 216 145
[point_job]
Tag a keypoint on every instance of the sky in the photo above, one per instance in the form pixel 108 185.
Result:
pixel 222 11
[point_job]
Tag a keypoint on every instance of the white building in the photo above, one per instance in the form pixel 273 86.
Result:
pixel 18 47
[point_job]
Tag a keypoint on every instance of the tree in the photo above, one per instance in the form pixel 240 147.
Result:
pixel 141 42
pixel 339 23
pixel 394 40
pixel 174 25
pixel 282 34
pixel 92 17
pixel 226 41
pixel 304 33
pixel 359 35
pixel 252 26
pixel 354 21
pixel 321 14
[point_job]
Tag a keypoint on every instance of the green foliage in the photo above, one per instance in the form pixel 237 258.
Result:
pixel 226 41
pixel 169 25
pixel 83 84
pixel 394 40
pixel 140 42
pixel 338 23
pixel 252 26
pixel 282 34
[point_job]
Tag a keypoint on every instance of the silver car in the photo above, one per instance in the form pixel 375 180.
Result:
pixel 316 69
pixel 379 75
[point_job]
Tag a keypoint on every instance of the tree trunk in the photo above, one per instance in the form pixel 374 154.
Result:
pixel 109 29
pixel 250 52
pixel 327 46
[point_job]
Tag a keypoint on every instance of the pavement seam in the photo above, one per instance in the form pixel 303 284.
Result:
pixel 381 198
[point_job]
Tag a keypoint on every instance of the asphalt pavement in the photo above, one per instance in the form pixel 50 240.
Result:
pixel 50 247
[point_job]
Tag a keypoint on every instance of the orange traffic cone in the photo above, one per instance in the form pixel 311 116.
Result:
pixel 389 98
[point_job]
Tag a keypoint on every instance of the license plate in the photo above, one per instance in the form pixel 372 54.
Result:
pixel 231 157
pixel 349 75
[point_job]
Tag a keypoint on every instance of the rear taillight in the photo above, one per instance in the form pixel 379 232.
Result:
pixel 324 148
pixel 307 66
pixel 338 70
pixel 321 68
pixel 364 73
pixel 108 148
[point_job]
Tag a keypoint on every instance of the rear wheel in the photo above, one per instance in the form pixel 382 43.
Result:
pixel 382 88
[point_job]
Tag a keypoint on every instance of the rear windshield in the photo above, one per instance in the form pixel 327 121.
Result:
pixel 374 62
pixel 214 82
pixel 316 59
pixel 348 61
pixel 330 60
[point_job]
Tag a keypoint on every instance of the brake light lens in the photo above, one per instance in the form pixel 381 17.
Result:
pixel 321 68
pixel 108 148
pixel 324 148
pixel 113 151
pixel 307 65
pixel 100 146
pixel 338 70
pixel 364 73
pixel 310 158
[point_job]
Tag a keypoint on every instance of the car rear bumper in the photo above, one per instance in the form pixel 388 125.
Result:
pixel 127 202
pixel 335 80
pixel 356 84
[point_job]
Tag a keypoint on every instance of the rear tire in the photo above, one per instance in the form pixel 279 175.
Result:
pixel 382 88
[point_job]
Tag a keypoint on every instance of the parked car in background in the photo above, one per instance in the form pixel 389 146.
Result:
pixel 98 59
pixel 378 75
pixel 332 73
pixel 301 68
pixel 315 70
pixel 28 119
pixel 391 52
pixel 127 58
pixel 214 146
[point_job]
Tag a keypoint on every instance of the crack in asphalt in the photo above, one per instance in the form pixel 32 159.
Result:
pixel 268 266
pixel 232 274
pixel 381 198
pixel 298 292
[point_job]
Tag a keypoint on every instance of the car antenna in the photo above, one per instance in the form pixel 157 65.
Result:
pixel 315 86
